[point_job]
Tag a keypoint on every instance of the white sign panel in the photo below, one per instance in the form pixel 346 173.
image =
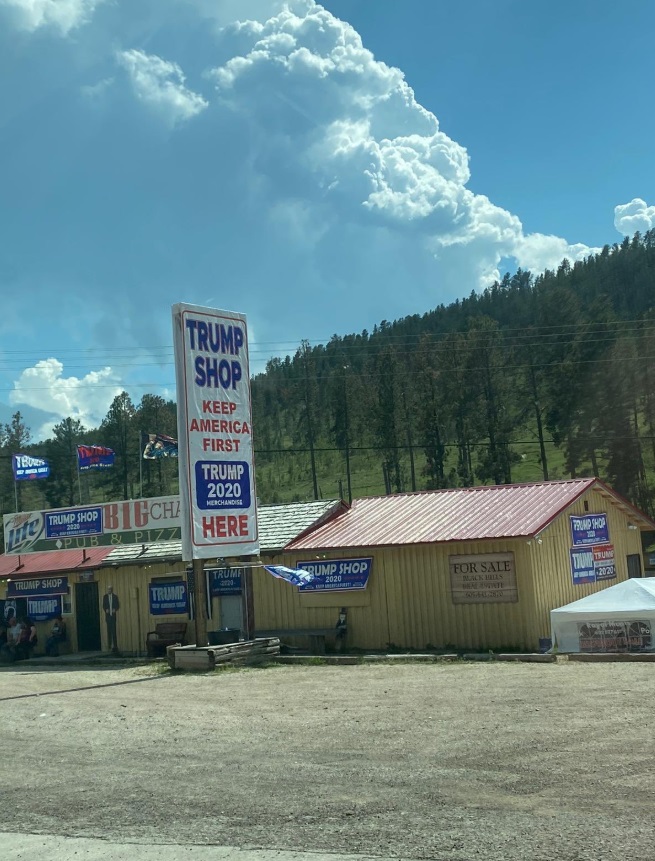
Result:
pixel 217 477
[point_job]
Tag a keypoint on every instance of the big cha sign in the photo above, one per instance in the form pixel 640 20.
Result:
pixel 217 480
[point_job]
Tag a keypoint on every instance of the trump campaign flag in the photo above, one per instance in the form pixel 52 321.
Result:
pixel 295 576
pixel 159 445
pixel 26 467
pixel 94 457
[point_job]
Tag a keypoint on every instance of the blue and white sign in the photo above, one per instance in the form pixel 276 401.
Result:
pixel 593 564
pixel 26 467
pixel 589 529
pixel 222 484
pixel 217 478
pixel 43 608
pixel 582 566
pixel 39 586
pixel 336 575
pixel 67 523
pixel 168 598
pixel 224 581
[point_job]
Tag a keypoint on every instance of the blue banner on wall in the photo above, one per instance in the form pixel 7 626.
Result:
pixel 94 457
pixel 38 587
pixel 589 529
pixel 73 522
pixel 592 564
pixel 43 608
pixel 224 581
pixel 582 566
pixel 168 598
pixel 26 467
pixel 336 575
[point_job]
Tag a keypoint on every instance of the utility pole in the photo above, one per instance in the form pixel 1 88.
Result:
pixel 410 442
pixel 347 429
pixel 199 602
pixel 310 430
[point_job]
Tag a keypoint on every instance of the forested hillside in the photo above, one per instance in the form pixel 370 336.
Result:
pixel 544 377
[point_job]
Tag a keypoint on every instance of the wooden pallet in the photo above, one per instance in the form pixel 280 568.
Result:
pixel 246 653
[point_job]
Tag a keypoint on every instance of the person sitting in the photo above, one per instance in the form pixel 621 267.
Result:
pixel 14 631
pixel 27 640
pixel 57 636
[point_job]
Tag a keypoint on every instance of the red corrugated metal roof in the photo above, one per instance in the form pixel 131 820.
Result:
pixel 461 514
pixel 28 564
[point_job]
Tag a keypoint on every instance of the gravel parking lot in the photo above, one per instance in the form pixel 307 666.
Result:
pixel 443 761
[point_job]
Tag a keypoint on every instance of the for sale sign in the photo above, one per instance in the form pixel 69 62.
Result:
pixel 217 480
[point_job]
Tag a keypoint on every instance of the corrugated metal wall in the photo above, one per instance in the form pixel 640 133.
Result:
pixel 408 601
pixel 553 584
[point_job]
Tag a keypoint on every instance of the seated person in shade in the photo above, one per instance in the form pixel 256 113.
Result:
pixel 14 631
pixel 27 639
pixel 57 636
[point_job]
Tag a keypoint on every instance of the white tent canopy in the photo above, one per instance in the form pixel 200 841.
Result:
pixel 618 619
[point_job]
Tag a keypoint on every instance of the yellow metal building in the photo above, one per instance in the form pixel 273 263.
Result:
pixel 132 568
pixel 469 568
pixel 414 595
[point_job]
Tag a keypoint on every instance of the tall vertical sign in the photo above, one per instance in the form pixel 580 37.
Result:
pixel 217 482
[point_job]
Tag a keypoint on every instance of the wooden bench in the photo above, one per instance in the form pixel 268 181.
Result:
pixel 165 634
pixel 317 636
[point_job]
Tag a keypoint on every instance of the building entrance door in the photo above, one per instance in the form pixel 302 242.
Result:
pixel 634 565
pixel 231 612
pixel 87 617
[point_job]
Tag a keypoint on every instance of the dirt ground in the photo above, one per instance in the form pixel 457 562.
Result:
pixel 456 761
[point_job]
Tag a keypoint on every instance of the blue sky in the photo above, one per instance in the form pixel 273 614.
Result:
pixel 320 168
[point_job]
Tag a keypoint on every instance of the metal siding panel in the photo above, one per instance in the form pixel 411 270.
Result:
pixel 553 582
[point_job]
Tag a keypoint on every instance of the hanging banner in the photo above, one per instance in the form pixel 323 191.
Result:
pixel 136 521
pixel 41 609
pixel 591 564
pixel 589 529
pixel 224 581
pixel 91 457
pixel 27 468
pixel 159 445
pixel 337 575
pixel 217 478
pixel 39 586
pixel 68 522
pixel 168 598
pixel 615 636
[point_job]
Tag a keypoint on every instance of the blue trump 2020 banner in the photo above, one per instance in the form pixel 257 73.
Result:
pixel 27 468
pixel 168 598
pixel 589 529
pixel 336 575
pixel 224 581
pixel 72 522
pixel 43 608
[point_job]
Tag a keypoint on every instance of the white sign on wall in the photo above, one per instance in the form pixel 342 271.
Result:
pixel 217 479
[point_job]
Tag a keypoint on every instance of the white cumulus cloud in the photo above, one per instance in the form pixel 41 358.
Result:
pixel 45 387
pixel 63 15
pixel 634 216
pixel 334 126
pixel 159 83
